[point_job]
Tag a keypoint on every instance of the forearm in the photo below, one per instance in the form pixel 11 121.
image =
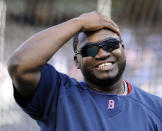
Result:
pixel 38 49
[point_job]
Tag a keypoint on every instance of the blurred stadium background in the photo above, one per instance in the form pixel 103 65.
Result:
pixel 140 24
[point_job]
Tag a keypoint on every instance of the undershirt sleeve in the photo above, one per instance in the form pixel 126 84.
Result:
pixel 45 97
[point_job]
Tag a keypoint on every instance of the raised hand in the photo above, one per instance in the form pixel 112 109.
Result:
pixel 94 21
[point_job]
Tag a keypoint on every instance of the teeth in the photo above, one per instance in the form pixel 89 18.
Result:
pixel 105 64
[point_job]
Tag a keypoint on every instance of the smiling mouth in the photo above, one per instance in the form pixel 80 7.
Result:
pixel 105 66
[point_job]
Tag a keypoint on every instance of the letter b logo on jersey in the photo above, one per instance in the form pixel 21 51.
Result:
pixel 111 104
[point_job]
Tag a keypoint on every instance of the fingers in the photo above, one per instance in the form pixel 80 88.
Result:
pixel 107 19
pixel 94 21
pixel 112 27
pixel 110 24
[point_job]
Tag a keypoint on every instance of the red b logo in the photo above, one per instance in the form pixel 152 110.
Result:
pixel 111 104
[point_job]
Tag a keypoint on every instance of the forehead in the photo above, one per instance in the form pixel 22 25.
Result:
pixel 97 36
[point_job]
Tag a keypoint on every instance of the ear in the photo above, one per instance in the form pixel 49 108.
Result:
pixel 76 62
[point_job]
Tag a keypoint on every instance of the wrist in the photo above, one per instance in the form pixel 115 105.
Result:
pixel 79 23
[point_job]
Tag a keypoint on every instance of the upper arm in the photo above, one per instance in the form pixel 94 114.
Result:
pixel 25 82
pixel 45 97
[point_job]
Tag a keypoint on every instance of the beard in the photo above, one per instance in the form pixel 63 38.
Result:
pixel 91 78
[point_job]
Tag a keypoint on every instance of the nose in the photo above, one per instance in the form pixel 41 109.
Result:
pixel 102 54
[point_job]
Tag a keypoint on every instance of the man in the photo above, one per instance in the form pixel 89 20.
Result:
pixel 103 102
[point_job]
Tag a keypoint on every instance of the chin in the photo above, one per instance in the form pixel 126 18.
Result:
pixel 106 75
pixel 105 78
pixel 102 79
pixel 109 80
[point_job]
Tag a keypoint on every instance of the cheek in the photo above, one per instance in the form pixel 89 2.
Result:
pixel 123 56
pixel 87 62
pixel 120 55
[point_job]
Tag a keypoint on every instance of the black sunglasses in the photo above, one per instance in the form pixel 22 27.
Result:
pixel 91 49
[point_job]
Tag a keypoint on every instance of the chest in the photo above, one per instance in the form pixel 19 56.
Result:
pixel 84 110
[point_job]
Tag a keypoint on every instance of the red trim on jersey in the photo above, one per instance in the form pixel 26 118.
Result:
pixel 129 87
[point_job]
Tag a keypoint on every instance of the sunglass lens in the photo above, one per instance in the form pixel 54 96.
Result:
pixel 111 45
pixel 90 51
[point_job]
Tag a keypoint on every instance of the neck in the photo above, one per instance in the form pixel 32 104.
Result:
pixel 115 88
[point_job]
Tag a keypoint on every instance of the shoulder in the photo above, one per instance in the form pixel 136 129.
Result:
pixel 50 73
pixel 145 96
pixel 148 100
